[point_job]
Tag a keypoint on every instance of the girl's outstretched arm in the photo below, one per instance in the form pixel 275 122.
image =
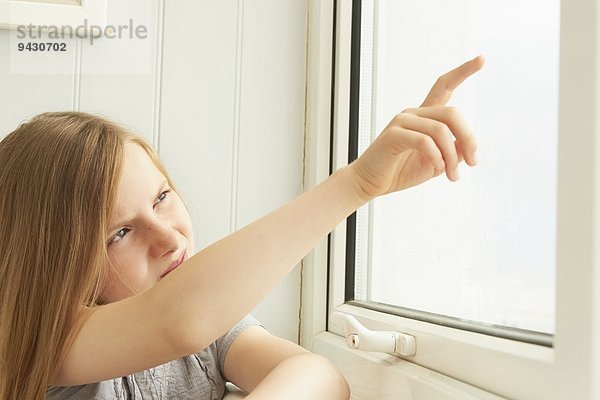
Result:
pixel 203 298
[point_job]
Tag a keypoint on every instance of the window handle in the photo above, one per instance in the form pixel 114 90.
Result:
pixel 360 338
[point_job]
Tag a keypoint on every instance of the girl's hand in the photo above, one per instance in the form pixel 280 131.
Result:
pixel 418 144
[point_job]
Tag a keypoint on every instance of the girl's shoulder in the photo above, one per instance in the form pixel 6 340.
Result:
pixel 193 377
pixel 197 376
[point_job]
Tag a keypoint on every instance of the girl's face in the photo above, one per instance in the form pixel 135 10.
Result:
pixel 150 229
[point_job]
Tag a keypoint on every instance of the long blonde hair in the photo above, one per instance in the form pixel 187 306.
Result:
pixel 58 176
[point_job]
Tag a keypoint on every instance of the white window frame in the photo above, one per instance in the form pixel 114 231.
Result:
pixel 465 361
pixel 73 13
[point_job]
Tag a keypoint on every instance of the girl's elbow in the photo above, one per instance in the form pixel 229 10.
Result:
pixel 332 379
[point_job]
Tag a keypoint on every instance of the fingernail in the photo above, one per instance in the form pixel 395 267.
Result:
pixel 455 174
pixel 474 159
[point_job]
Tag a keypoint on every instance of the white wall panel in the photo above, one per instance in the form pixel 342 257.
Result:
pixel 118 75
pixel 25 93
pixel 271 136
pixel 197 109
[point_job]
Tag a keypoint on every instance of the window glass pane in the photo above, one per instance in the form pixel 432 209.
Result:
pixel 482 249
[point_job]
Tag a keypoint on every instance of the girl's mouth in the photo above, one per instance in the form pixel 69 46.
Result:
pixel 175 264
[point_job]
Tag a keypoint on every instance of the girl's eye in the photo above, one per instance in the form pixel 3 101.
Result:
pixel 121 233
pixel 163 195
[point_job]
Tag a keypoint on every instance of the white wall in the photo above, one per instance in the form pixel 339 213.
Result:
pixel 218 87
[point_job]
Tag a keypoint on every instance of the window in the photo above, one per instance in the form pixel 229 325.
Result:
pixel 544 345
pixel 479 254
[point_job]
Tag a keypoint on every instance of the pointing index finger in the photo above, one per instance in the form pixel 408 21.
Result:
pixel 443 88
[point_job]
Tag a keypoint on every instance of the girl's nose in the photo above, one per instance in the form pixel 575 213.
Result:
pixel 164 239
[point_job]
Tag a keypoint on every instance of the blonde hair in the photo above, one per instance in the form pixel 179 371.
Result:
pixel 58 175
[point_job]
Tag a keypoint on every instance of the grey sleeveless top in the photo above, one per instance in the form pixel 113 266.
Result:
pixel 198 376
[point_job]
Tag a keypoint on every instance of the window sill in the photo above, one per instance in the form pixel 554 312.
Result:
pixel 382 376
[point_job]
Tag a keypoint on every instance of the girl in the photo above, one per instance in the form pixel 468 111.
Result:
pixel 98 280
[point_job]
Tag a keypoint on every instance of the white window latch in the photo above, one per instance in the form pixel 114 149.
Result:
pixel 360 338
